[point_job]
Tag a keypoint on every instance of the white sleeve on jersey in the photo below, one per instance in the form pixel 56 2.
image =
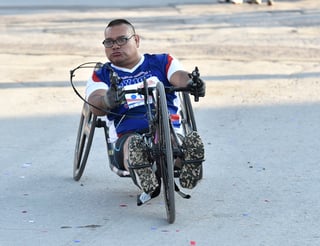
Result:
pixel 94 85
pixel 174 66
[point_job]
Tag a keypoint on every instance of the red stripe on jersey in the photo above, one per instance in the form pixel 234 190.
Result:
pixel 95 78
pixel 170 59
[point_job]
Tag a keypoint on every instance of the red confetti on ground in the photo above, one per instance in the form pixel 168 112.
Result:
pixel 193 243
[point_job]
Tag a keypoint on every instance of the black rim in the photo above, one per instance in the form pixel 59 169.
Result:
pixel 83 142
pixel 189 123
pixel 188 115
pixel 166 155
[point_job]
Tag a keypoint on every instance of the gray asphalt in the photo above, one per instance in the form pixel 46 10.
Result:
pixel 105 3
pixel 259 122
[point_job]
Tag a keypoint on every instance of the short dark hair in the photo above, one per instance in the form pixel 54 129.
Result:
pixel 117 22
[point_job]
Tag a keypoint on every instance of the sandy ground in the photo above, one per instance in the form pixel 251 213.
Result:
pixel 259 122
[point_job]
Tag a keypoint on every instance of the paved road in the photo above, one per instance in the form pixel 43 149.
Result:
pixel 259 122
pixel 127 3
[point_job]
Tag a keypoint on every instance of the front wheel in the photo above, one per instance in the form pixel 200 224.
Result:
pixel 166 154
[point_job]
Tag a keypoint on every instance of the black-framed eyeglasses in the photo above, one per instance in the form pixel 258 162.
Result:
pixel 108 43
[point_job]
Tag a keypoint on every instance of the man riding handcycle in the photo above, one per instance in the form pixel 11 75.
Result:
pixel 107 93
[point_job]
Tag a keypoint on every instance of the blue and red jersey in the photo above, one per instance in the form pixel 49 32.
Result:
pixel 134 119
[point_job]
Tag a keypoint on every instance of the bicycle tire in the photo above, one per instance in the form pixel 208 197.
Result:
pixel 83 142
pixel 189 123
pixel 166 152
pixel 188 120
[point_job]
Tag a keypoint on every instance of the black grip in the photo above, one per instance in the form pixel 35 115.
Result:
pixel 114 81
pixel 195 75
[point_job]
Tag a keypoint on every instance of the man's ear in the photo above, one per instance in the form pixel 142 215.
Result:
pixel 137 39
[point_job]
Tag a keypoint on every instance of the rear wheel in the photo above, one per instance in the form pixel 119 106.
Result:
pixel 166 153
pixel 84 141
pixel 188 120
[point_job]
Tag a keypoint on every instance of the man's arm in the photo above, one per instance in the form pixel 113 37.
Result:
pixel 179 78
pixel 97 98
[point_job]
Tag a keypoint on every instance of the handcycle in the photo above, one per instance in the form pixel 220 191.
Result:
pixel 164 144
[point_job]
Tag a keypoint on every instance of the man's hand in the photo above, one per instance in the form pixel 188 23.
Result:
pixel 197 88
pixel 113 98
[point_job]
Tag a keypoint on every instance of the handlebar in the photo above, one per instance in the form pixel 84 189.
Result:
pixel 142 91
pixel 195 77
pixel 115 79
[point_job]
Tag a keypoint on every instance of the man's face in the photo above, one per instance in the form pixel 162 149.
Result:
pixel 122 55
